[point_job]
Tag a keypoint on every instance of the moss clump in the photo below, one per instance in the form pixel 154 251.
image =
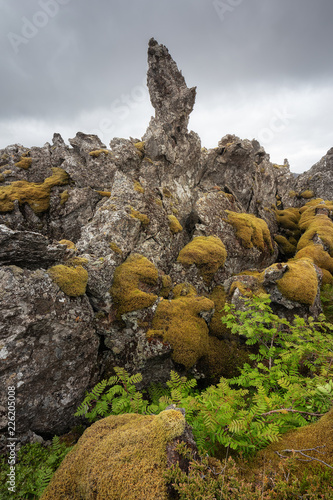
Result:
pixel 166 286
pixel 216 327
pixel 307 194
pixel 135 273
pixel 140 146
pixel 288 218
pixel 207 252
pixel 309 437
pixel 300 282
pixel 98 152
pixel 36 195
pixel 64 197
pixel 138 188
pixel 178 322
pixel 24 163
pixel 141 217
pixel 327 278
pixel 251 230
pixel 107 194
pixel 69 244
pixel 174 224
pixel 292 193
pixel 2 178
pixel 318 256
pixel 285 246
pixel 321 226
pixel 224 358
pixel 120 457
pixel 71 280
pixel 309 212
pixel 115 248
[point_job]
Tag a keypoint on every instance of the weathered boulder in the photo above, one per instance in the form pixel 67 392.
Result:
pixel 316 182
pixel 48 350
pixel 243 169
pixel 122 457
pixel 173 154
pixel 28 249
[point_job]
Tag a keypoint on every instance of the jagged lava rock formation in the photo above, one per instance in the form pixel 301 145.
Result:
pixel 124 256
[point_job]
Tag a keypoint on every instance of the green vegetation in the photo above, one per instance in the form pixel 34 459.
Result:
pixel 98 152
pixel 129 277
pixel 252 231
pixel 207 252
pixel 274 403
pixel 71 280
pixel 174 224
pixel 35 466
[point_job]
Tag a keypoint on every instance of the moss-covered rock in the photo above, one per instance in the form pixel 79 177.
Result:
pixel 179 322
pixel 322 227
pixel 174 224
pixel 130 277
pixel 69 244
pixel 24 163
pixel 308 438
pixel 121 457
pixel 285 246
pixel 36 195
pixel 300 282
pixel 216 327
pixel 318 256
pixel 71 280
pixel 288 218
pixel 207 252
pixel 251 230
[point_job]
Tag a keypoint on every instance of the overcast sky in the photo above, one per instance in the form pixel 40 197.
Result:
pixel 263 69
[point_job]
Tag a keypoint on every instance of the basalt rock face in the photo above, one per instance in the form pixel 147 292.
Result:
pixel 151 232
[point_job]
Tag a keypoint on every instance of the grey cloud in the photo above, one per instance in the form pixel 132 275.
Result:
pixel 91 54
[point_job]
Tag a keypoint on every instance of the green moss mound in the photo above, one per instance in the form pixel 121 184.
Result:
pixel 207 252
pixel 309 437
pixel 300 282
pixel 178 322
pixel 318 255
pixel 252 231
pixel 130 277
pixel 174 224
pixel 98 152
pixel 24 163
pixel 322 227
pixel 216 327
pixel 71 280
pixel 121 457
pixel 285 246
pixel 288 218
pixel 36 195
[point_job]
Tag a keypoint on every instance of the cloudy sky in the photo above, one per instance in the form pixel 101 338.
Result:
pixel 263 69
